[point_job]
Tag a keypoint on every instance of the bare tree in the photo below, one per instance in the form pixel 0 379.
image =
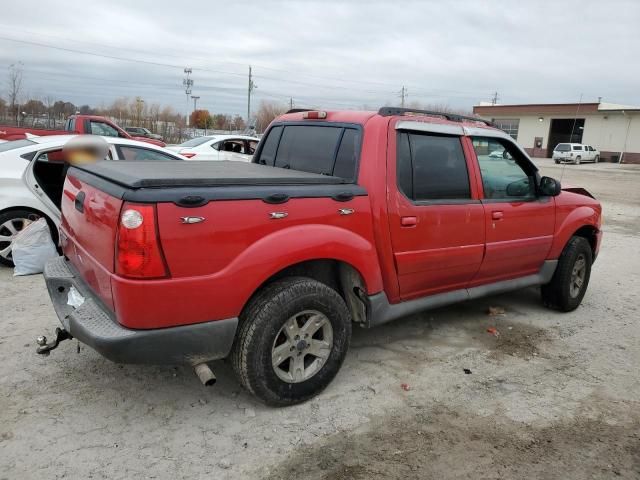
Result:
pixel 15 89
pixel 267 112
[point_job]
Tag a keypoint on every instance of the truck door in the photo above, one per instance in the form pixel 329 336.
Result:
pixel 436 219
pixel 519 223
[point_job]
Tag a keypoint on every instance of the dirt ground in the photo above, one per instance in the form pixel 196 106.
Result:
pixel 552 396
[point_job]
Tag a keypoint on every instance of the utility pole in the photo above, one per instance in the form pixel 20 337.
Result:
pixel 290 103
pixel 494 99
pixel 195 102
pixel 139 103
pixel 187 83
pixel 403 94
pixel 251 88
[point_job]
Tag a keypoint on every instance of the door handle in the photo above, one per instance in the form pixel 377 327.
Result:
pixel 497 215
pixel 408 221
pixel 79 201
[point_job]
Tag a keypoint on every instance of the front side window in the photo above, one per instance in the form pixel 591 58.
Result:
pixel 502 176
pixel 100 128
pixel 128 152
pixel 432 167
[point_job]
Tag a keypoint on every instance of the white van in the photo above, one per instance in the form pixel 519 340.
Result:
pixel 575 153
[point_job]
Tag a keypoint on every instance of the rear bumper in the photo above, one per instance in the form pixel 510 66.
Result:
pixel 94 325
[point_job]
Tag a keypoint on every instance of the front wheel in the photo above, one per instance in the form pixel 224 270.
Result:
pixel 292 340
pixel 597 159
pixel 569 283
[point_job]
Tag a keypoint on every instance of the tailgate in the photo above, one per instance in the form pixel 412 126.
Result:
pixel 88 232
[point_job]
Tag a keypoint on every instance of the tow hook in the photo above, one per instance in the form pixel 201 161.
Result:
pixel 44 348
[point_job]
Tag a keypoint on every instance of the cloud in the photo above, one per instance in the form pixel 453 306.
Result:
pixel 332 54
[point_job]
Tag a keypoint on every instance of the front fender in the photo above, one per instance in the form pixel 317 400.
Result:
pixel 569 220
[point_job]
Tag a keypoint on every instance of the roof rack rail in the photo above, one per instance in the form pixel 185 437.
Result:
pixel 454 117
pixel 298 110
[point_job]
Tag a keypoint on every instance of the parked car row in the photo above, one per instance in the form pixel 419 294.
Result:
pixel 80 124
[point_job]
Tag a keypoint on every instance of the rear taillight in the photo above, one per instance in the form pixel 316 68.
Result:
pixel 188 155
pixel 138 252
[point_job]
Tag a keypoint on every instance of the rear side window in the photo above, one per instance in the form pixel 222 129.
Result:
pixel 310 149
pixel 268 154
pixel 327 150
pixel 6 146
pixel 577 147
pixel 129 152
pixel 432 167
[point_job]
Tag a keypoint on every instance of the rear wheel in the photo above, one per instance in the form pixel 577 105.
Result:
pixel 578 159
pixel 11 223
pixel 292 340
pixel 566 289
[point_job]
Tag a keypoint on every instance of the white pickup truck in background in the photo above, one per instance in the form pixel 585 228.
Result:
pixel 575 153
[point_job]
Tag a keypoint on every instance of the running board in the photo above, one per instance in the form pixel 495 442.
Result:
pixel 381 311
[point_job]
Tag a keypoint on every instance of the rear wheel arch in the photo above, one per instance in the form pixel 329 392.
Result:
pixel 52 226
pixel 338 275
pixel 25 212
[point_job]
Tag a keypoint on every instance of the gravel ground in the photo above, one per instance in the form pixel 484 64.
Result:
pixel 552 396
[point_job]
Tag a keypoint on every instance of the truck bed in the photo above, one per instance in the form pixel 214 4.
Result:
pixel 196 183
pixel 156 174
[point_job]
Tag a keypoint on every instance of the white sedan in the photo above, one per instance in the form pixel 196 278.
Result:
pixel 32 173
pixel 218 147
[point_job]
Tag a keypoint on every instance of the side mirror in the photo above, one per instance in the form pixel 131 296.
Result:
pixel 550 187
pixel 519 188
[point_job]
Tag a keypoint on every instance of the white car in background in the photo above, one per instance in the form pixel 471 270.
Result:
pixel 218 147
pixel 576 153
pixel 32 173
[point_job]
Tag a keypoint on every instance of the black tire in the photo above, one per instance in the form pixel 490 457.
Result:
pixel 557 162
pixel 597 159
pixel 578 160
pixel 260 325
pixel 15 217
pixel 560 292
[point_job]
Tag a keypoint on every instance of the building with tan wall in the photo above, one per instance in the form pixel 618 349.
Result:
pixel 538 128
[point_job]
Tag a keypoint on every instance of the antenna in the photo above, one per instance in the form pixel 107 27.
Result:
pixel 575 119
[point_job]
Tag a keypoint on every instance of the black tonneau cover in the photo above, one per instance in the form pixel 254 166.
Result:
pixel 194 183
pixel 158 174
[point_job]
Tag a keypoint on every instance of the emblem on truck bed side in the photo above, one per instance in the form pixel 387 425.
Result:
pixel 189 220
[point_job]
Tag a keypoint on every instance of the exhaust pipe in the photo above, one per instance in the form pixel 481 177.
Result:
pixel 205 374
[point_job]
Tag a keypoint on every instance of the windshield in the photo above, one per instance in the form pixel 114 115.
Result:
pixel 194 142
pixel 5 147
pixel 563 147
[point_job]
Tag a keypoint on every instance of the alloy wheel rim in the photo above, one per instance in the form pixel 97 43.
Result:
pixel 302 346
pixel 578 275
pixel 8 232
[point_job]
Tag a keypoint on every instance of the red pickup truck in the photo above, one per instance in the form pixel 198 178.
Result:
pixel 83 124
pixel 342 218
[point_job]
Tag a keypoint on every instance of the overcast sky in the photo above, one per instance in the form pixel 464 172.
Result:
pixel 330 54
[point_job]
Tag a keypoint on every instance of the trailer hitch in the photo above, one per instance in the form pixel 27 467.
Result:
pixel 45 348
